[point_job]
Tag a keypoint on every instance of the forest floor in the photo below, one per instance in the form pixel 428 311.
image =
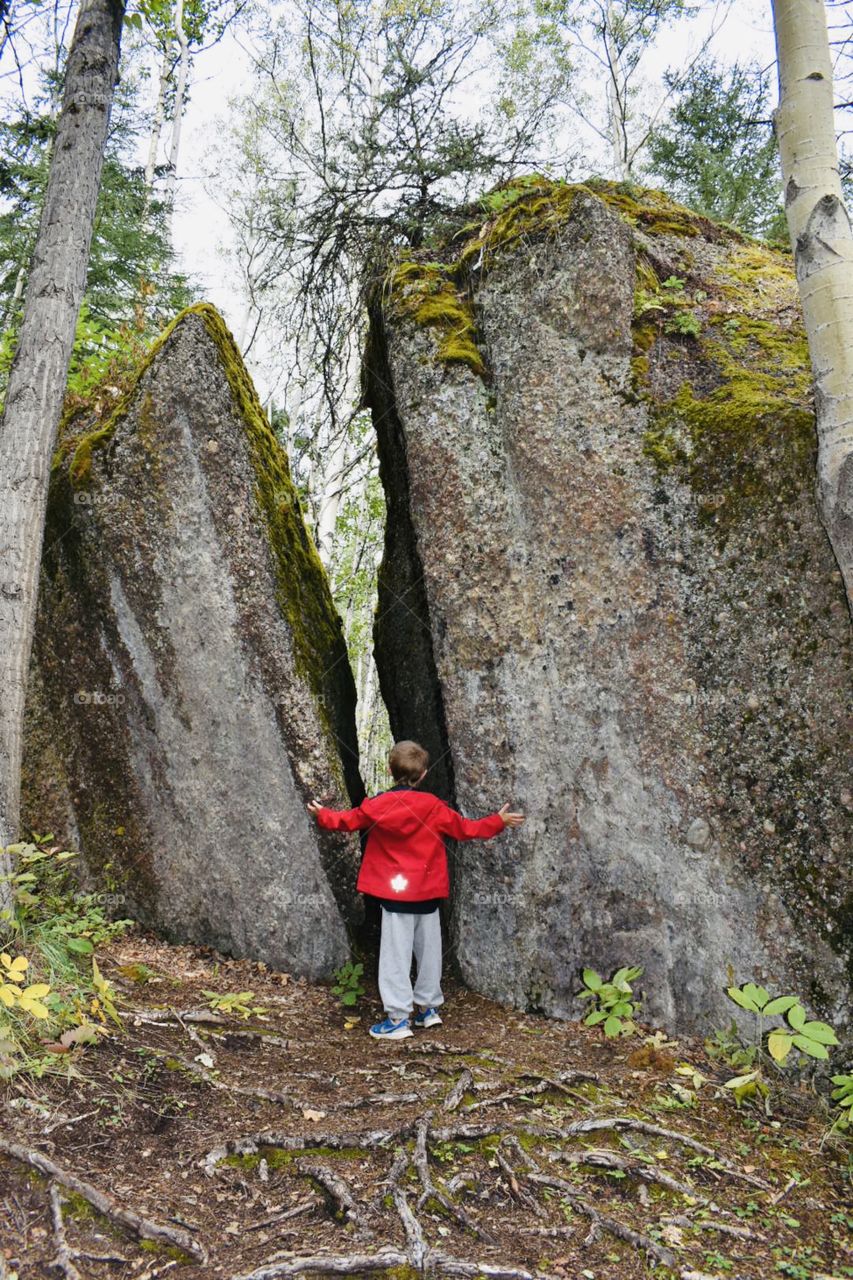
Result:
pixel 198 1144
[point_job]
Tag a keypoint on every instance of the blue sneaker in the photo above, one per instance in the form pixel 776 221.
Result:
pixel 428 1018
pixel 389 1030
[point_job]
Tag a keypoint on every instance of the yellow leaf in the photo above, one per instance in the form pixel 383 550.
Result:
pixel 779 1045
pixel 35 1007
pixel 310 1114
pixel 6 958
pixel 19 964
pixel 37 990
pixel 8 994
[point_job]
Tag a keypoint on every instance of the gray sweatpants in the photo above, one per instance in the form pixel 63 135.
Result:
pixel 405 933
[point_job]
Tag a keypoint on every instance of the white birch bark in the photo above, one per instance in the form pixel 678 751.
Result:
pixel 180 94
pixel 615 106
pixel 157 123
pixel 822 242
pixel 37 378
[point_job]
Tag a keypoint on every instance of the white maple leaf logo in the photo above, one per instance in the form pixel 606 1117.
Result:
pixel 398 884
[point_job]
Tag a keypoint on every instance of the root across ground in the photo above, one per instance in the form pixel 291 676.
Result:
pixel 501 1145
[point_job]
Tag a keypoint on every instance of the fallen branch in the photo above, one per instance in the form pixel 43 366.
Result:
pixel 143 1227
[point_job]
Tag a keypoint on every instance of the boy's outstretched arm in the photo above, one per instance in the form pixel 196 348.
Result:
pixel 339 819
pixel 459 828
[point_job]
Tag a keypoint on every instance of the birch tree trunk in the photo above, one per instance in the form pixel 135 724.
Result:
pixel 615 107
pixel 157 125
pixel 38 375
pixel 822 242
pixel 178 113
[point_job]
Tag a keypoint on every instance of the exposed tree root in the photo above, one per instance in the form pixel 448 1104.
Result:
pixel 420 1160
pixel 641 1126
pixel 634 1168
pixel 598 1219
pixel 250 1145
pixel 335 1188
pixel 612 1225
pixel 353 1264
pixel 457 1093
pixel 64 1260
pixel 135 1222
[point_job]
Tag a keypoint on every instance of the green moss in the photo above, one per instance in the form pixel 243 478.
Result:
pixel 740 427
pixel 427 293
pixel 163 1250
pixel 302 588
pixel 278 1158
pixel 82 446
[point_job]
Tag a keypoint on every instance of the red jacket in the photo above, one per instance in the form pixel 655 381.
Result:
pixel 405 856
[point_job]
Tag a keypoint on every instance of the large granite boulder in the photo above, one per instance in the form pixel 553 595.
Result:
pixel 607 597
pixel 191 688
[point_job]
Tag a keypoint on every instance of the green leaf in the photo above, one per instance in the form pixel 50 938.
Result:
pixel 623 1009
pixel 612 1026
pixel 779 1045
pixel 780 1005
pixel 593 1019
pixel 759 994
pixel 820 1032
pixel 82 946
pixel 592 979
pixel 741 998
pixel 811 1047
pixel 797 1017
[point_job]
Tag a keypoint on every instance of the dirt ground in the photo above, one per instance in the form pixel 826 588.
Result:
pixel 495 1145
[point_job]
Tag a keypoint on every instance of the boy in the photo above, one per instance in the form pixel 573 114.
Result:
pixel 405 867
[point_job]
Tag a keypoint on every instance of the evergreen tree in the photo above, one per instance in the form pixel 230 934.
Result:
pixel 717 153
pixel 131 285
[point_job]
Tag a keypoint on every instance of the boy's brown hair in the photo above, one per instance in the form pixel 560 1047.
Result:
pixel 407 761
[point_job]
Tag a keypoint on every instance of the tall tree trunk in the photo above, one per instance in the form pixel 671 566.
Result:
pixel 157 124
pixel 178 113
pixel 615 107
pixel 37 378
pixel 822 242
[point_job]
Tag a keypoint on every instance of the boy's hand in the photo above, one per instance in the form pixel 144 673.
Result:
pixel 314 808
pixel 510 819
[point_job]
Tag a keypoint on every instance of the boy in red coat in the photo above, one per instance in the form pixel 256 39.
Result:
pixel 405 867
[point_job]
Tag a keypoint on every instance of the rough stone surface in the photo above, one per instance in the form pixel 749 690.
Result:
pixel 191 720
pixel 657 672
